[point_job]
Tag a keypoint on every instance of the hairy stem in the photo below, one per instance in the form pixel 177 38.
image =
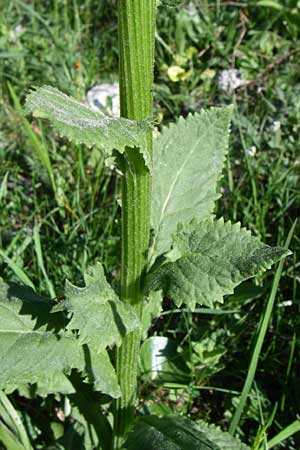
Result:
pixel 136 29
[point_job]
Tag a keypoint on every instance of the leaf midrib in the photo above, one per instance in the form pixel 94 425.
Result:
pixel 49 333
pixel 169 196
pixel 192 433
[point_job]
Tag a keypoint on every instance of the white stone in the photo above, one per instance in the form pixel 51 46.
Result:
pixel 276 125
pixel 105 98
pixel 230 79
pixel 251 151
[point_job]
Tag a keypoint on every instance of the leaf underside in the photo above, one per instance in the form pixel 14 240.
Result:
pixel 188 159
pixel 213 257
pixel 80 124
pixel 179 433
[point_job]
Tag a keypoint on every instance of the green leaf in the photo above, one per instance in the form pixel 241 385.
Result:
pixel 161 362
pixel 151 309
pixel 100 372
pixel 188 158
pixel 222 438
pixel 204 356
pixel 34 349
pixel 92 423
pixel 212 258
pixel 179 433
pixel 270 4
pixel 29 353
pixel 101 319
pixel 12 431
pixel 8 438
pixel 79 123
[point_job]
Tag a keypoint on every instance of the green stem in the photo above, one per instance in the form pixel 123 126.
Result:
pixel 136 51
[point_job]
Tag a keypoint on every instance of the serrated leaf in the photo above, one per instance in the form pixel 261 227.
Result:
pixel 222 438
pixel 178 433
pixel 33 351
pixel 81 124
pixel 188 158
pixel 28 352
pixel 213 258
pixel 101 319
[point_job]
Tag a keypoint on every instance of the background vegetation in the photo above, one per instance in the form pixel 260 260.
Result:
pixel 60 203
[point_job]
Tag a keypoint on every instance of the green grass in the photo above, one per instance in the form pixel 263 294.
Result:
pixel 59 202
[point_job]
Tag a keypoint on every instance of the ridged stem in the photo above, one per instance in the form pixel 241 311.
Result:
pixel 136 28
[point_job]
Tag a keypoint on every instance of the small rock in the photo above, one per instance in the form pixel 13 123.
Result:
pixel 251 151
pixel 105 98
pixel 276 125
pixel 15 33
pixel 230 79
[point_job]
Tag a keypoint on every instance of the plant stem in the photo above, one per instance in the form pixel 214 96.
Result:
pixel 136 29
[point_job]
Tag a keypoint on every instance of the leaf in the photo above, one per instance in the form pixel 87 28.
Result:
pixel 188 158
pixel 100 372
pixel 101 319
pixel 32 350
pixel 8 438
pixel 79 123
pixel 151 310
pixel 161 362
pixel 222 438
pixel 86 409
pixel 179 433
pixel 212 259
pixel 28 352
pixel 167 433
pixel 204 356
pixel 81 435
pixel 12 431
pixel 270 4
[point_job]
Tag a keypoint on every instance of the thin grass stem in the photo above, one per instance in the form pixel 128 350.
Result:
pixel 260 340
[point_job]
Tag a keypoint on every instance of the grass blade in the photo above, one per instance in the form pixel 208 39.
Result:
pixel 3 187
pixel 31 12
pixel 8 438
pixel 12 433
pixel 284 434
pixel 40 259
pixel 260 340
pixel 18 271
pixel 40 149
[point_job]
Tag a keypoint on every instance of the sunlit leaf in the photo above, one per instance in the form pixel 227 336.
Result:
pixel 188 159
pixel 81 124
pixel 179 433
pixel 212 258
pixel 101 319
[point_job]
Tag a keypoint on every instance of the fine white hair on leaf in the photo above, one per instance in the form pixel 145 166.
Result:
pixel 81 124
